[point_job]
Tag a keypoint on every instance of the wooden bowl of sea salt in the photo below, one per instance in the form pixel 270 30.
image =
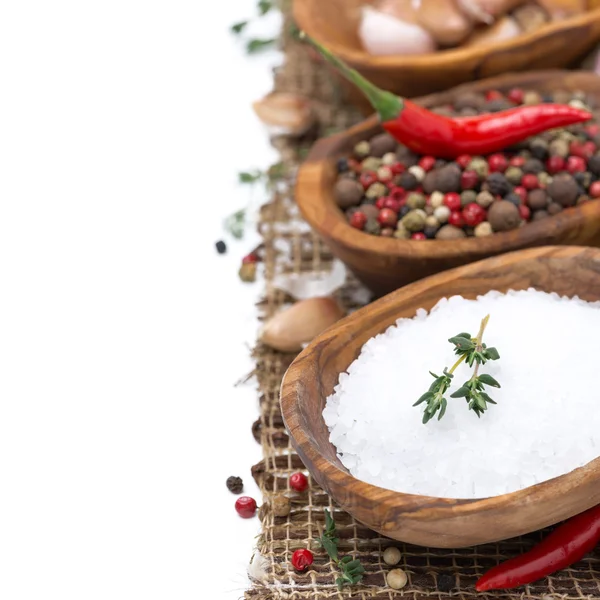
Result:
pixel 530 461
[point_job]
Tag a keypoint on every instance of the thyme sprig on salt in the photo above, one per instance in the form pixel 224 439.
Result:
pixel 351 570
pixel 473 351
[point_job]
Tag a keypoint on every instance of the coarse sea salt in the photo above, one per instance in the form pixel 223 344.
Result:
pixel 546 422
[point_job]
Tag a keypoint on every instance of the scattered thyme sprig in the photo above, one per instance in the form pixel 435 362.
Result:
pixel 351 570
pixel 474 352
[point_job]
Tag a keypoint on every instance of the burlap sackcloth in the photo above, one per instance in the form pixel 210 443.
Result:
pixel 290 246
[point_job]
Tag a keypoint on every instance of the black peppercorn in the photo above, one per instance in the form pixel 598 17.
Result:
pixel 583 179
pixel 497 105
pixel 430 232
pixel 514 198
pixel 342 165
pixel 404 211
pixel 408 181
pixel 439 163
pixel 221 247
pixel 539 148
pixel 445 582
pixel 533 165
pixel 497 184
pixel 235 484
pixel 547 98
pixel 594 164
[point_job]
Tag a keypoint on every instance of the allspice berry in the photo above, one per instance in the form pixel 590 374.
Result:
pixel 504 216
pixel 564 189
pixel 396 579
pixel 448 179
pixel 348 192
pixel 537 199
pixel 391 556
pixel 382 144
pixel 370 210
pixel 538 215
pixel 235 484
pixel 450 232
pixel 554 208
pixel 281 505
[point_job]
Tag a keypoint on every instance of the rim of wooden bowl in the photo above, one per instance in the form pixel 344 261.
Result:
pixel 303 13
pixel 422 508
pixel 317 175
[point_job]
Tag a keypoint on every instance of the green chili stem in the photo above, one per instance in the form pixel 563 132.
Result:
pixel 388 105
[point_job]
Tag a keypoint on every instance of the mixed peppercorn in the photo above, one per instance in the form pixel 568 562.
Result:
pixel 386 189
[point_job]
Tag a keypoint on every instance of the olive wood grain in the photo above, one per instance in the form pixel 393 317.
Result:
pixel 334 23
pixel 384 264
pixel 423 520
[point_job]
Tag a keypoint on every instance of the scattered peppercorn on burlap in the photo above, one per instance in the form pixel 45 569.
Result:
pixel 289 246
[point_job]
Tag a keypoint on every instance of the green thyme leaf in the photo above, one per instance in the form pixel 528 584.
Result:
pixel 237 28
pixel 461 392
pixel 256 45
pixel 488 380
pixel 462 343
pixel 250 176
pixel 426 396
pixel 492 354
pixel 235 224
pixel 264 6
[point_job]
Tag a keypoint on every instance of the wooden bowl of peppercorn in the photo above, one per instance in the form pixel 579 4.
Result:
pixel 384 264
pixel 557 44
pixel 417 519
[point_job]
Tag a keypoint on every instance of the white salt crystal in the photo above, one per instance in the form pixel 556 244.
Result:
pixel 546 422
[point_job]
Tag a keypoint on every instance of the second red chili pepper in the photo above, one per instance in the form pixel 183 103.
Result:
pixel 566 545
pixel 425 132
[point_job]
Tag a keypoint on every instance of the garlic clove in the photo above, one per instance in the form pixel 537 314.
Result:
pixel 382 34
pixel 562 9
pixel 504 29
pixel 290 329
pixel 530 17
pixel 487 11
pixel 289 114
pixel 444 21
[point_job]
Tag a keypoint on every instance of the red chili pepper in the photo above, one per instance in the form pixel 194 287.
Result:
pixel 425 132
pixel 566 545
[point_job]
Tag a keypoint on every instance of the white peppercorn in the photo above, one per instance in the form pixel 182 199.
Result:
pixel 391 556
pixel 396 579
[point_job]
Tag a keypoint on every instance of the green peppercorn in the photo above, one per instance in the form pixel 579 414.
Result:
pixel 484 199
pixel 414 221
pixel 514 175
pixel 376 190
pixel 362 149
pixel 416 200
pixel 480 166
pixel 544 178
pixel 467 197
pixel 373 227
pixel 371 164
pixel 401 232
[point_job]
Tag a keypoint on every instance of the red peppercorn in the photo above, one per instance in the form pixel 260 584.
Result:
pixel 463 160
pixel 497 163
pixel 249 258
pixel 585 150
pixel 358 220
pixel 521 192
pixel 391 203
pixel 524 211
pixel 595 189
pixel 298 482
pixel 473 214
pixel 452 200
pixel 398 193
pixel 555 164
pixel 302 559
pixel 456 219
pixel 469 180
pixel 530 181
pixel 367 179
pixel 576 164
pixel 397 168
pixel 493 95
pixel 387 217
pixel 245 506
pixel 517 161
pixel 592 129
pixel 380 202
pixel 426 163
pixel 419 235
pixel 516 95
pixel 419 189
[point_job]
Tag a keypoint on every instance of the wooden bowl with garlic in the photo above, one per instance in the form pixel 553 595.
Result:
pixel 417 47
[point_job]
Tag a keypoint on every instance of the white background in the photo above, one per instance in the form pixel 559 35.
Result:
pixel 123 125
